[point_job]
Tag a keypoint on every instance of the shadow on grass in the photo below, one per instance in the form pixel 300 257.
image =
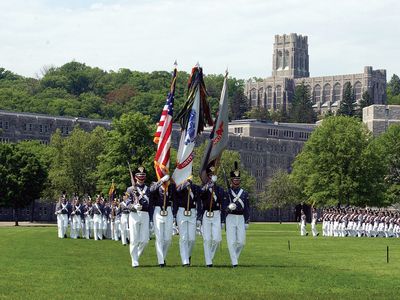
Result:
pixel 225 266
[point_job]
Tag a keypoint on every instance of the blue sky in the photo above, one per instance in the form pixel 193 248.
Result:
pixel 344 35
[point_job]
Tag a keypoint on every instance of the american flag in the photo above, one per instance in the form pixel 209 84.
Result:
pixel 162 136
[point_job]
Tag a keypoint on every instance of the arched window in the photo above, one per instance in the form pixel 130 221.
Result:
pixel 357 91
pixel 337 92
pixel 317 93
pixel 261 97
pixel 280 60
pixel 278 96
pixel 253 97
pixel 270 98
pixel 286 59
pixel 326 94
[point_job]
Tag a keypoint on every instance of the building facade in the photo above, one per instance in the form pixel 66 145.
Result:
pixel 17 127
pixel 290 67
pixel 378 118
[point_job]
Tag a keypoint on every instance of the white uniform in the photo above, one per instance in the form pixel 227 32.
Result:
pixel 314 224
pixel 124 223
pixel 303 230
pixel 98 221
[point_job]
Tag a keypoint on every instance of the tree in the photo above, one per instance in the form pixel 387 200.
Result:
pixel 394 85
pixel 389 143
pixel 74 161
pixel 347 104
pixel 301 110
pixel 258 113
pixel 22 177
pixel 279 192
pixel 339 165
pixel 130 140
pixel 364 102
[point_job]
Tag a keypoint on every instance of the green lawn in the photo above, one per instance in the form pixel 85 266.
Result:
pixel 34 263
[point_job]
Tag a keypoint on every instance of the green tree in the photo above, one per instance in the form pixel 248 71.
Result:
pixel 389 143
pixel 22 177
pixel 339 165
pixel 279 192
pixel 364 102
pixel 258 113
pixel 301 110
pixel 394 85
pixel 74 161
pixel 347 104
pixel 130 140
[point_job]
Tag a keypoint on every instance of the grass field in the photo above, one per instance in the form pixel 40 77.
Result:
pixel 34 264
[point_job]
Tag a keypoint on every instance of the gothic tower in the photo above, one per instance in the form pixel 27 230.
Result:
pixel 290 56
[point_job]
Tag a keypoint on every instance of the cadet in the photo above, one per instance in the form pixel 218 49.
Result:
pixel 88 213
pixel 124 219
pixel 211 202
pixel 236 215
pixel 303 230
pixel 115 220
pixel 186 205
pixel 63 209
pixel 314 222
pixel 139 205
pixel 76 216
pixel 162 200
pixel 98 211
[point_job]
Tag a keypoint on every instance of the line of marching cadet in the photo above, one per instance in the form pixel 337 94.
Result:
pixel 162 209
pixel 355 222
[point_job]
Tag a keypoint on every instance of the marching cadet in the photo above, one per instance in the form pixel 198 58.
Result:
pixel 76 216
pixel 163 192
pixel 106 218
pixel 98 211
pixel 88 213
pixel 314 217
pixel 124 209
pixel 186 205
pixel 211 202
pixel 236 208
pixel 303 219
pixel 63 209
pixel 139 205
pixel 116 231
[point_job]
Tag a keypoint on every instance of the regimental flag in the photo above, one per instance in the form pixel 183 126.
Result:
pixel 218 136
pixel 111 191
pixel 193 117
pixel 162 136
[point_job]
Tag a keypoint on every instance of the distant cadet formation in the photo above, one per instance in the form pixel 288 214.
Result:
pixel 143 210
pixel 355 222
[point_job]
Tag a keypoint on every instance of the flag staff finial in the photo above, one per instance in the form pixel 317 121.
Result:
pixel 197 65
pixel 175 63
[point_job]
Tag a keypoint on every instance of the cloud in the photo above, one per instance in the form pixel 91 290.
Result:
pixel 344 36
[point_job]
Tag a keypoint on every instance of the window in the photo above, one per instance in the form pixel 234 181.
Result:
pixel 317 93
pixel 259 185
pixel 4 140
pixel 278 95
pixel 260 95
pixel 337 92
pixel 6 125
pixel 270 99
pixel 357 91
pixel 326 93
pixel 238 130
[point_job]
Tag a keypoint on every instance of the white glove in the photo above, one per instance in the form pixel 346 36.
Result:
pixel 232 206
pixel 246 226
pixel 165 178
pixel 174 221
pixel 222 225
pixel 198 223
pixel 214 178
pixel 137 206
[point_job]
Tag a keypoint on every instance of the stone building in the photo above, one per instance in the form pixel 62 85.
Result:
pixel 378 118
pixel 16 126
pixel 290 67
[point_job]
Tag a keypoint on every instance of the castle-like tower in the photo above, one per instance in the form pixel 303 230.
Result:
pixel 290 56
pixel 290 67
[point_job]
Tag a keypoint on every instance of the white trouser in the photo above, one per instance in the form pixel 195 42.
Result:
pixel 187 233
pixel 211 230
pixel 106 226
pixel 314 228
pixel 59 226
pixel 98 226
pixel 116 229
pixel 235 236
pixel 64 224
pixel 124 228
pixel 88 226
pixel 303 230
pixel 76 226
pixel 163 232
pixel 138 234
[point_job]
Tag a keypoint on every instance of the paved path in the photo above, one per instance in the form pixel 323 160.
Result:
pixel 26 224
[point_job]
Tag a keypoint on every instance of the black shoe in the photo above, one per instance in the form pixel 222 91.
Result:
pixel 186 265
pixel 306 233
pixel 234 266
pixel 135 266
pixel 318 234
pixel 65 236
pixel 162 265
pixel 78 237
pixel 209 266
pixel 124 244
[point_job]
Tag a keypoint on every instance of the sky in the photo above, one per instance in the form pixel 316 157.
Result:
pixel 149 35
